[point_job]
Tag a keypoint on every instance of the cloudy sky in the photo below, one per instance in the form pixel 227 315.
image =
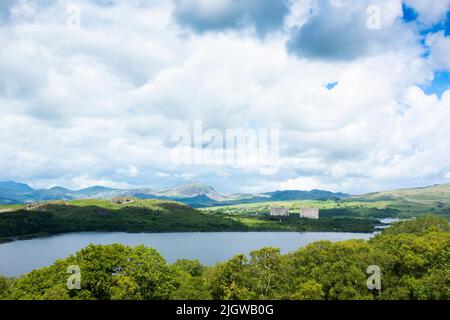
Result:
pixel 91 91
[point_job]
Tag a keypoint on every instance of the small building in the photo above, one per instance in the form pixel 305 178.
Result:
pixel 122 200
pixel 309 213
pixel 279 212
pixel 32 206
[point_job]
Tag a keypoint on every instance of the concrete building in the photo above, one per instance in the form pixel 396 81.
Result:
pixel 279 212
pixel 310 213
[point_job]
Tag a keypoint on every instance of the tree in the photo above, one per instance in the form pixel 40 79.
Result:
pixel 229 280
pixel 156 280
pixel 193 267
pixel 310 290
pixel 265 272
pixel 57 292
pixel 192 281
pixel 125 288
pixel 419 226
pixel 5 288
pixel 191 288
pixel 107 272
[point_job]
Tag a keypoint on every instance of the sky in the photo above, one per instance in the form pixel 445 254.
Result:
pixel 92 91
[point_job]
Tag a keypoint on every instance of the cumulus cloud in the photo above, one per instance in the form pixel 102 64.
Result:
pixel 439 46
pixel 430 12
pixel 304 183
pixel 221 15
pixel 98 105
pixel 345 30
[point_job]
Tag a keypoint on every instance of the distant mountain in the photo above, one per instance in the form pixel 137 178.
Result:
pixel 52 194
pixel 193 194
pixel 12 192
pixel 12 186
pixel 189 190
pixel 198 201
pixel 8 201
pixel 200 195
pixel 59 189
pixel 95 191
pixel 143 193
pixel 304 195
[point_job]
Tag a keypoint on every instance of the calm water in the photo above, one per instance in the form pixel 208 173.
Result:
pixel 23 256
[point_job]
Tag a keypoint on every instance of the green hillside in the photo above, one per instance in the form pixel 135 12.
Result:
pixel 103 215
pixel 440 192
pixel 433 199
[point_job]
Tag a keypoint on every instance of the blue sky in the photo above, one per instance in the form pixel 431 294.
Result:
pixel 439 85
pixel 441 80
pixel 409 14
pixel 93 91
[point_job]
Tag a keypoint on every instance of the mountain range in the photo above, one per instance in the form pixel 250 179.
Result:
pixel 193 194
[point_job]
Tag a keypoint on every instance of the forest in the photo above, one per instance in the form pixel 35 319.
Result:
pixel 413 256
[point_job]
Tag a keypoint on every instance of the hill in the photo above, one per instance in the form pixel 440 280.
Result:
pixel 189 190
pixel 197 195
pixel 305 195
pixel 436 194
pixel 11 186
pixel 102 215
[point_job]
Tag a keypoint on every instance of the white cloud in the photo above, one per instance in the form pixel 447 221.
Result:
pixel 98 105
pixel 340 30
pixel 132 171
pixel 431 11
pixel 221 15
pixel 85 181
pixel 439 46
pixel 304 183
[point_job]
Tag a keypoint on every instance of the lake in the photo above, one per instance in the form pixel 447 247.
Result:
pixel 23 256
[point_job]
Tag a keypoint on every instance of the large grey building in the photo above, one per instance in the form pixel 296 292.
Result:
pixel 279 212
pixel 310 213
